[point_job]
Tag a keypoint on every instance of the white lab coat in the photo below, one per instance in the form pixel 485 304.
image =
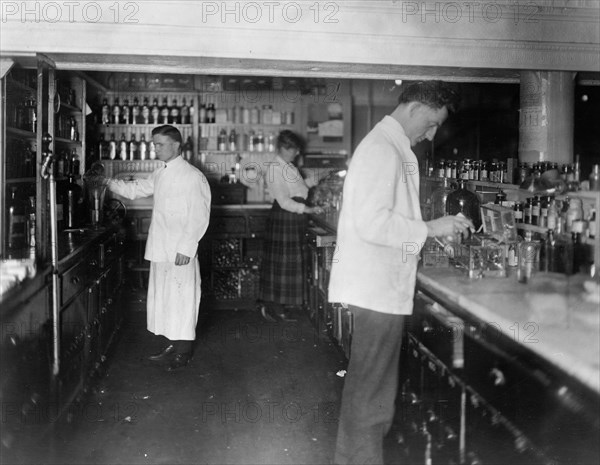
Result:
pixel 180 217
pixel 380 230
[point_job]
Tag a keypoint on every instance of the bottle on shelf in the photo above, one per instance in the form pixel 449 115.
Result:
pixel 112 147
pixel 28 162
pixel 73 204
pixel 60 165
pixel 133 148
pixel 535 210
pixel 188 149
pixel 254 115
pixel 143 147
pixel 174 117
pixel 15 221
pixel 211 113
pixel 192 112
pixel 185 112
pixel 31 226
pixel 152 151
pixel 595 178
pixel 202 114
pixel 164 112
pixel 105 112
pixel 123 148
pixel 260 141
pixel 222 140
pixel 155 111
pixel 529 258
pixel 102 148
pixel 116 112
pixel 135 112
pixel 75 163
pixel 126 113
pixel 73 131
pixel 145 119
pixel 245 115
pixel 31 112
pixel 592 225
pixel 574 213
pixel 518 212
pixel 233 140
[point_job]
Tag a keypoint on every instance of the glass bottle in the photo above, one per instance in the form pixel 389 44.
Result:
pixel 529 259
pixel 440 170
pixel 174 117
pixel 126 113
pixel 105 118
pixel 527 211
pixel 222 140
pixel 592 225
pixel 15 212
pixel 535 210
pixel 574 213
pixel 260 142
pixel 439 199
pixel 483 174
pixel 31 226
pixel 135 112
pixel 202 114
pixel 133 148
pixel 518 211
pixel 232 140
pixel 164 112
pixel 123 148
pixel 112 147
pixel 73 131
pixel 210 113
pixel 145 112
pixel 116 112
pixel 143 147
pixel 152 151
pixel 73 202
pixel 188 149
pixel 102 148
pixel 185 112
pixel 466 202
pixel 595 178
pixel 155 111
pixel 75 163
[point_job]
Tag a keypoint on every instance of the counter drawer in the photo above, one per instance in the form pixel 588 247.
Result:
pixel 108 251
pixel 235 225
pixel 75 279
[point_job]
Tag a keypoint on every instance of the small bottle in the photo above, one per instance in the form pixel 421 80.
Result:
pixel 31 227
pixel 126 113
pixel 73 131
pixel 518 211
pixel 75 163
pixel 527 211
pixel 211 113
pixel 188 149
pixel 123 148
pixel 105 118
pixel 155 112
pixel 73 201
pixel 222 141
pixel 529 258
pixel 202 114
pixel 232 140
pixel 133 148
pixel 116 112
pixel 143 147
pixel 135 112
pixel 260 142
pixel 112 147
pixel 174 117
pixel 254 115
pixel 595 178
pixel 164 112
pixel 535 210
pixel 592 225
pixel 152 151
pixel 102 148
pixel 185 113
pixel 145 112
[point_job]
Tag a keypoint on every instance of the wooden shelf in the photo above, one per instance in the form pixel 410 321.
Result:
pixel 71 108
pixel 248 125
pixel 20 132
pixel 20 180
pixel 21 86
pixel 74 143
pixel 143 126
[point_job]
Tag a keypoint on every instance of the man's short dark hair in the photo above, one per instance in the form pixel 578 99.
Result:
pixel 290 140
pixel 169 131
pixel 434 94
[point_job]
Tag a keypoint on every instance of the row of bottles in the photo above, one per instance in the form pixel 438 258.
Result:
pixel 146 113
pixel 20 159
pixel 67 164
pixel 133 149
pixel 67 127
pixel 22 113
pixel 470 170
pixel 239 114
pixel 213 138
pixel 21 220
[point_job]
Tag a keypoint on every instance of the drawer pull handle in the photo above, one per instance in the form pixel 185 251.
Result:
pixel 498 377
pixel 75 280
pixel 93 262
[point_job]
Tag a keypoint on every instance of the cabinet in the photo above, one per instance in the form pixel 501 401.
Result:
pixel 470 395
pixel 230 256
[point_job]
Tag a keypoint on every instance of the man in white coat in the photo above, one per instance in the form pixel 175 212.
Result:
pixel 380 235
pixel 180 217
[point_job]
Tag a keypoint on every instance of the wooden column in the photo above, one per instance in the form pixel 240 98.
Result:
pixel 546 119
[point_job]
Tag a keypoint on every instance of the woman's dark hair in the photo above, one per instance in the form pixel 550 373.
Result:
pixel 434 94
pixel 290 140
pixel 169 131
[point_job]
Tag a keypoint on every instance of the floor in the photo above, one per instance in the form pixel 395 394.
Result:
pixel 254 393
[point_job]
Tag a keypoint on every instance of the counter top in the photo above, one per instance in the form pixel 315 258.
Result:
pixel 244 206
pixel 549 316
pixel 71 243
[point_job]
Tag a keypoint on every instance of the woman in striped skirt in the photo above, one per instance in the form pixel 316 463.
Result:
pixel 282 274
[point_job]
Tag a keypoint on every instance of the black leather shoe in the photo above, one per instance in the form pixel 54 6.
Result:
pixel 265 314
pixel 164 355
pixel 285 317
pixel 179 361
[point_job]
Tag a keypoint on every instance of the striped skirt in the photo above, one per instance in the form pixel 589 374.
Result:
pixel 282 272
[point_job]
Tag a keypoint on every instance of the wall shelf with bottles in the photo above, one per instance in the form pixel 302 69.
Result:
pixel 20 132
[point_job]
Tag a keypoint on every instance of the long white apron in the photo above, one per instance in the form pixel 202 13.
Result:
pixel 174 299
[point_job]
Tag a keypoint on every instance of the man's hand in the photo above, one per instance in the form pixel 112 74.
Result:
pixel 448 226
pixel 181 259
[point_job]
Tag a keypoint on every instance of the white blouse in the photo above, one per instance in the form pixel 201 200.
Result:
pixel 284 181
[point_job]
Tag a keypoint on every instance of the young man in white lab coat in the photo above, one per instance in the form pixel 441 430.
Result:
pixel 180 217
pixel 380 234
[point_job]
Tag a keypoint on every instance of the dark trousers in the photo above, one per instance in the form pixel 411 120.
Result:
pixel 370 387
